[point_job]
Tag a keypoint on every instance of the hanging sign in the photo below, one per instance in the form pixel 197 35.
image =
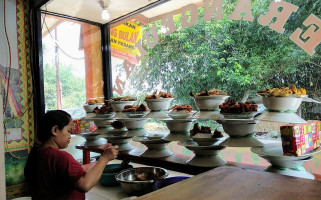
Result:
pixel 123 39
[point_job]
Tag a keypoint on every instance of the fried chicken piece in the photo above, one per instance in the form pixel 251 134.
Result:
pixel 234 107
pixel 186 107
pixel 117 124
pixel 206 92
pixel 126 98
pixel 196 129
pixel 165 95
pixel 160 94
pixel 104 109
pixel 206 129
pixel 130 108
pixel 217 134
pixel 142 107
pixel 92 101
pixel 153 96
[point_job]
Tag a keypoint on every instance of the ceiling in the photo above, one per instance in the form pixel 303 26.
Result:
pixel 91 9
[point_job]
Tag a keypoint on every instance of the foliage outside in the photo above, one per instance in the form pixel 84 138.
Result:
pixel 229 55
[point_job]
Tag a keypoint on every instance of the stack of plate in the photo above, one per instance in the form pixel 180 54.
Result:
pixel 241 132
pixel 286 165
pixel 156 145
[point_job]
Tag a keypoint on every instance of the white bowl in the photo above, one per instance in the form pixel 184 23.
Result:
pixel 90 108
pixel 178 125
pixel 180 114
pixel 133 123
pixel 238 129
pixel 282 103
pixel 242 142
pixel 243 115
pixel 209 102
pixel 281 117
pixel 101 122
pixel 158 104
pixel 105 115
pixel 90 136
pixel 137 114
pixel 203 139
pixel 119 105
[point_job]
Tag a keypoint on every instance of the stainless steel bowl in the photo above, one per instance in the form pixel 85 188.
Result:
pixel 139 181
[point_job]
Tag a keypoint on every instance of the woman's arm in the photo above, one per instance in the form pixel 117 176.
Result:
pixel 85 183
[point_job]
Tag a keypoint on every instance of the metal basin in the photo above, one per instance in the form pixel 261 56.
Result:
pixel 141 180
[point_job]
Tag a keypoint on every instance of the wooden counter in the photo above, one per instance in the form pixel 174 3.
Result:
pixel 228 183
pixel 174 162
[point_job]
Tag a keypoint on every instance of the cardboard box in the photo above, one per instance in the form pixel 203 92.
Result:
pixel 298 139
pixel 83 126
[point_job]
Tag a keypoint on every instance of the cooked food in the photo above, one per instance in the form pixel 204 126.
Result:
pixel 217 134
pixel 131 108
pixel 127 98
pixel 235 107
pixel 205 129
pixel 117 124
pixel 282 92
pixel 157 95
pixel 104 109
pixel 92 101
pixel 213 92
pixel 196 129
pixel 185 107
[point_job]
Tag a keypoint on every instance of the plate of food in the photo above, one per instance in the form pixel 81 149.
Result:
pixel 238 110
pixel 135 111
pixel 104 112
pixel 118 103
pixel 181 111
pixel 209 99
pixel 159 101
pixel 204 136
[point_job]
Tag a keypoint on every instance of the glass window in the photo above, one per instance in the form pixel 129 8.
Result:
pixel 72 64
pixel 195 47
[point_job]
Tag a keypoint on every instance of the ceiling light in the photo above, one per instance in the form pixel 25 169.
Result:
pixel 104 4
pixel 105 14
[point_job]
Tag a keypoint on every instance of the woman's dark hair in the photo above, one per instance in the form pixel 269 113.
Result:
pixel 52 118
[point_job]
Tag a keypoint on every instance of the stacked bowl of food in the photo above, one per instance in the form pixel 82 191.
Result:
pixel 156 145
pixel 239 123
pixel 159 101
pixel 209 100
pixel 282 104
pixel 118 103
pixel 132 111
pixel 91 104
pixel 206 145
pixel 179 122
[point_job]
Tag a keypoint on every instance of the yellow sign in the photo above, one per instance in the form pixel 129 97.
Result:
pixel 123 39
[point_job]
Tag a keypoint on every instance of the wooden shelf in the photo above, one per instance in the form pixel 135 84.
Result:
pixel 174 162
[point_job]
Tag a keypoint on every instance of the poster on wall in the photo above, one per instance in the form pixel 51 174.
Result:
pixel 123 39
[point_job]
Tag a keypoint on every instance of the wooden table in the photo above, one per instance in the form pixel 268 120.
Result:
pixel 233 183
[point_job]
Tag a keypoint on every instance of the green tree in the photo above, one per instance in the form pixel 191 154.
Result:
pixel 230 55
pixel 73 87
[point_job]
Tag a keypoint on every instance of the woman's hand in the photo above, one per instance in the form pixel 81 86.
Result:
pixel 85 183
pixel 111 152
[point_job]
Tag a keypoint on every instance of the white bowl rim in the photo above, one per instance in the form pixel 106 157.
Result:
pixel 238 121
pixel 158 100
pixel 170 120
pixel 121 102
pixel 219 97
